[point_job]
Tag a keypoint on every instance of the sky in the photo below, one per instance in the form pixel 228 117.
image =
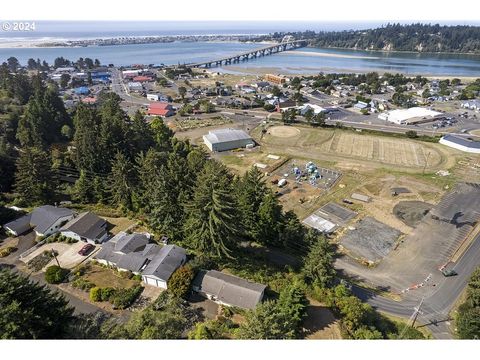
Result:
pixel 265 10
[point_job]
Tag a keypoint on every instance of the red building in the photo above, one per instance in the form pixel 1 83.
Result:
pixel 160 109
pixel 142 78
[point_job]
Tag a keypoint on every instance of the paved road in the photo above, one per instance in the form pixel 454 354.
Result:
pixel 437 304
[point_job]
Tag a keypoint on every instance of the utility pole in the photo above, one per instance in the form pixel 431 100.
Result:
pixel 413 318
pixel 55 256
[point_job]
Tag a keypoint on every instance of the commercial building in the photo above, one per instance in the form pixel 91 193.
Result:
pixel 160 109
pixel 461 143
pixel 410 116
pixel 276 79
pixel 227 139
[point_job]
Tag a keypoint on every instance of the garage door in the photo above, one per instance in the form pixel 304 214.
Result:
pixel 151 281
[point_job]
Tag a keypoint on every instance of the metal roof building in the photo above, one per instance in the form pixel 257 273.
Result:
pixel 227 139
pixel 461 143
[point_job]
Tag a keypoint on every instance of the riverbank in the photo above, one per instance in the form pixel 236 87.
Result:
pixel 306 71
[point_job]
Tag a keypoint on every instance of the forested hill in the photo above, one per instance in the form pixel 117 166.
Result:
pixel 396 37
pixel 416 37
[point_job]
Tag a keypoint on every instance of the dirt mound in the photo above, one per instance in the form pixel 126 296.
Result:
pixel 411 212
pixel 283 131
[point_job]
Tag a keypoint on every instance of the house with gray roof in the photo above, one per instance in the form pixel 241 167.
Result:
pixel 44 220
pixel 133 252
pixel 86 227
pixel 228 290
pixel 227 139
pixel 163 265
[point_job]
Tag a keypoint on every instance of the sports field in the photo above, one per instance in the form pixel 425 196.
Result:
pixel 386 150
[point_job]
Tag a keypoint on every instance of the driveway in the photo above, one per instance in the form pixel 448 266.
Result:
pixel 22 243
pixel 67 257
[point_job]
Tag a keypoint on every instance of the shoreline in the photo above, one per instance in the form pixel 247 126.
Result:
pixel 395 51
pixel 305 71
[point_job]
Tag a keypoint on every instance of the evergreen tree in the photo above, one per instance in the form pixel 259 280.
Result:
pixel 251 193
pixel 121 181
pixel 318 266
pixel 212 224
pixel 88 149
pixel 31 311
pixel 34 177
pixel 269 221
pixel 162 134
pixel 83 189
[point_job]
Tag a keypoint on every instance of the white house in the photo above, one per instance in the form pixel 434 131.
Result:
pixel 133 252
pixel 411 115
pixel 44 220
pixel 86 227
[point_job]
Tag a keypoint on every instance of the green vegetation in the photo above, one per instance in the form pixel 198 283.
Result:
pixel 468 316
pixel 119 298
pixel 395 37
pixel 276 319
pixel 179 282
pixel 7 251
pixel 55 274
pixel 31 311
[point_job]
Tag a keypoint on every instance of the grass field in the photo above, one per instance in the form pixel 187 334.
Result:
pixel 339 145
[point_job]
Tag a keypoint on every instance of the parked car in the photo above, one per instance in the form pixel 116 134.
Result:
pixel 86 249
pixel 448 273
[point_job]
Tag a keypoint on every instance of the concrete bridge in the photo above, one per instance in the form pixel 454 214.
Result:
pixel 252 54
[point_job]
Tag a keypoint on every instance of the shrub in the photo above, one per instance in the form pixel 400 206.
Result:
pixel 137 277
pixel 83 284
pixel 55 274
pixel 106 293
pixel 125 274
pixel 95 294
pixel 179 283
pixel 7 251
pixel 123 298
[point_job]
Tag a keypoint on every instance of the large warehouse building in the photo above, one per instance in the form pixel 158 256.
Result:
pixel 227 139
pixel 461 143
pixel 410 116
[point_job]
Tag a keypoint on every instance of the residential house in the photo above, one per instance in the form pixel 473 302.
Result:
pixel 86 227
pixel 133 252
pixel 228 290
pixel 44 220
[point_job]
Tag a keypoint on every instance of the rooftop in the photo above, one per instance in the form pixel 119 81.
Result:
pixel 224 135
pixel 230 289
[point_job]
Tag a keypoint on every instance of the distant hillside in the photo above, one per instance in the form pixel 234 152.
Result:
pixel 396 37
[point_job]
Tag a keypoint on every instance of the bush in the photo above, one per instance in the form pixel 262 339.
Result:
pixel 123 298
pixel 55 274
pixel 83 284
pixel 95 294
pixel 7 251
pixel 125 274
pixel 106 293
pixel 179 283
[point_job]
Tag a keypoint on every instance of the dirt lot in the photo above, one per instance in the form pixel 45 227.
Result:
pixel 411 212
pixel 242 160
pixel 320 323
pixel 370 240
pixel 342 144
